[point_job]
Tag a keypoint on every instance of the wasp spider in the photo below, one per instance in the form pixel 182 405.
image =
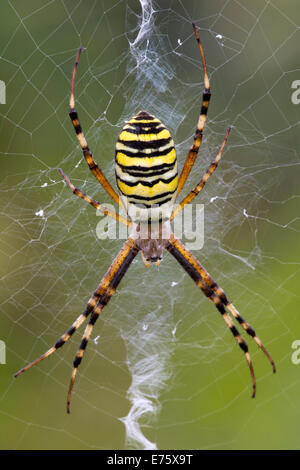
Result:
pixel 148 183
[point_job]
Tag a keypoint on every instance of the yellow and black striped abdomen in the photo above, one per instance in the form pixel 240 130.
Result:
pixel 146 166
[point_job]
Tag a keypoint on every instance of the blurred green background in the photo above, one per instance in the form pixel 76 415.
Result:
pixel 51 261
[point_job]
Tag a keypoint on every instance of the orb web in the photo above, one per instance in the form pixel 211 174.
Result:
pixel 161 370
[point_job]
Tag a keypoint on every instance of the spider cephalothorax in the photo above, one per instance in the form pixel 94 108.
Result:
pixel 146 172
pixel 151 239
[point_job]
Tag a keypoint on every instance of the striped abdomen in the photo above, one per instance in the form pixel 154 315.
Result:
pixel 146 167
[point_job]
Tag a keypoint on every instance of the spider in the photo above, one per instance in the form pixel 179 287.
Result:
pixel 148 184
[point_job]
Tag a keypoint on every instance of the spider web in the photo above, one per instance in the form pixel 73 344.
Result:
pixel 161 369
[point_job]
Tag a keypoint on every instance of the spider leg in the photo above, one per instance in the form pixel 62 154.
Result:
pixel 211 283
pixel 190 264
pixel 79 355
pixel 106 285
pixel 97 205
pixel 203 180
pixel 222 296
pixel 146 263
pixel 193 152
pixel 83 143
pixel 62 340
